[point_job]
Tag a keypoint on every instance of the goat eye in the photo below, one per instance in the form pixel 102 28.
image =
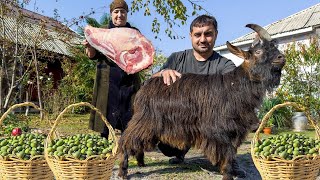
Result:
pixel 259 51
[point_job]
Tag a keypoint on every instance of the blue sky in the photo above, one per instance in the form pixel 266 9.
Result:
pixel 232 16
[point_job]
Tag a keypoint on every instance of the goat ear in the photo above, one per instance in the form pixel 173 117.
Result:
pixel 237 51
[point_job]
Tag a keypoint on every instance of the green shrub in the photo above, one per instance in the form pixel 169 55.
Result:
pixel 301 76
pixel 280 117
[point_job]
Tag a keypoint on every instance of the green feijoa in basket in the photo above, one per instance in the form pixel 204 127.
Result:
pixel 22 147
pixel 80 146
pixel 287 146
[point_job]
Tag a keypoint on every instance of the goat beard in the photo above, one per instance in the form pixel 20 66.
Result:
pixel 276 77
pixel 270 78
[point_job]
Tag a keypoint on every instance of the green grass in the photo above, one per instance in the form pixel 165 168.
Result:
pixel 69 124
pixel 308 132
pixel 75 123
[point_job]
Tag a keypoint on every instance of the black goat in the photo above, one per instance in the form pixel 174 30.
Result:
pixel 211 112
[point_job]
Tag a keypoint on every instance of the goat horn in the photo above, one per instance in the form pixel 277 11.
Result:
pixel 261 32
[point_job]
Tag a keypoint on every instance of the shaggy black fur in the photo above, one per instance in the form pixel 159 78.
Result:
pixel 210 112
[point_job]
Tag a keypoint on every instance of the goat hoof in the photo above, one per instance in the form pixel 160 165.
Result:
pixel 122 175
pixel 142 164
pixel 176 160
pixel 227 178
pixel 239 173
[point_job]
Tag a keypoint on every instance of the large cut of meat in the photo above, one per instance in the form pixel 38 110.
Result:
pixel 127 47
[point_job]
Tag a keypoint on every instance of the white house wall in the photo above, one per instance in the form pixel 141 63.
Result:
pixel 282 45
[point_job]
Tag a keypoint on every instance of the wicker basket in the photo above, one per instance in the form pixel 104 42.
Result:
pixel 90 168
pixel 14 168
pixel 301 167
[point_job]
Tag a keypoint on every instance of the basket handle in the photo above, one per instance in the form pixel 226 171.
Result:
pixel 22 105
pixel 296 106
pixel 57 121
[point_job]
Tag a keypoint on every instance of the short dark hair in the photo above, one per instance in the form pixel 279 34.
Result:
pixel 204 20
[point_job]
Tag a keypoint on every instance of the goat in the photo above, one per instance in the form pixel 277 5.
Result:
pixel 213 113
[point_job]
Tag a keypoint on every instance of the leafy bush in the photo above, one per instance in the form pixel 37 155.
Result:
pixel 280 117
pixel 301 79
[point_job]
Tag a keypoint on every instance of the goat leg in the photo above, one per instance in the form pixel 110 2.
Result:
pixel 123 165
pixel 140 159
pixel 226 168
pixel 226 156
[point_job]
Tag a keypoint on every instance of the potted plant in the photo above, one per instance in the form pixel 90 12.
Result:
pixel 268 127
pixel 279 119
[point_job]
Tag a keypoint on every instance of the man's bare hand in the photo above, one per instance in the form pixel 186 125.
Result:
pixel 170 76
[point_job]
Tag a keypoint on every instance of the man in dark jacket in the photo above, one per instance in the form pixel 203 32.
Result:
pixel 113 88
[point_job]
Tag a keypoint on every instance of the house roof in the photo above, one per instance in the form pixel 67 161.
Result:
pixel 30 29
pixel 301 21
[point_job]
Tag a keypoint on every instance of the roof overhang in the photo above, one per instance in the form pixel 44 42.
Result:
pixel 31 29
pixel 280 35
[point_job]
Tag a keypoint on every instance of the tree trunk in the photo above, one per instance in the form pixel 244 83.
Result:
pixel 13 77
pixel 27 100
pixel 38 80
pixel 2 61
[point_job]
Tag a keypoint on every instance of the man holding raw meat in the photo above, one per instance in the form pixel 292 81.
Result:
pixel 113 88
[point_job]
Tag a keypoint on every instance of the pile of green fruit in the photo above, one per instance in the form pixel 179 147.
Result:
pixel 24 146
pixel 287 146
pixel 80 146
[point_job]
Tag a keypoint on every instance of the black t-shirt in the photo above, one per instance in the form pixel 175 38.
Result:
pixel 185 62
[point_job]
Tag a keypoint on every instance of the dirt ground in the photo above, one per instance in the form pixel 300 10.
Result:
pixel 196 167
